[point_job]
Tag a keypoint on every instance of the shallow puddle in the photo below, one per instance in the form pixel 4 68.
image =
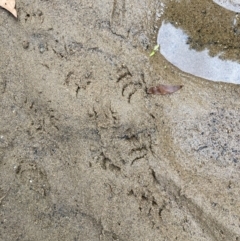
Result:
pixel 202 38
pixel 233 5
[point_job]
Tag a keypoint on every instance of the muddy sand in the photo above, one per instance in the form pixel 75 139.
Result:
pixel 86 154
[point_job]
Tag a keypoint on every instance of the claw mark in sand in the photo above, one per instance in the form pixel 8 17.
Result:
pixel 4 196
pixel 123 72
pixel 118 11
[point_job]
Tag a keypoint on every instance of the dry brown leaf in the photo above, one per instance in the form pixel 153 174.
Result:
pixel 164 89
pixel 9 5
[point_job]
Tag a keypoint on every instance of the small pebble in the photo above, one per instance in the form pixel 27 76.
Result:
pixel 42 48
pixel 39 13
pixel 25 44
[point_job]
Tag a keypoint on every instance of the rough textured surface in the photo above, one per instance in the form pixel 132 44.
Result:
pixel 87 154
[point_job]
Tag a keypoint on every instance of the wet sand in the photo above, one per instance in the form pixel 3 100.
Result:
pixel 86 153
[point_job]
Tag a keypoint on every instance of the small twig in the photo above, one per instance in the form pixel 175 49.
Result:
pixel 4 195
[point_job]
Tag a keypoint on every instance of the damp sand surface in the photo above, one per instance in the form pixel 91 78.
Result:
pixel 86 153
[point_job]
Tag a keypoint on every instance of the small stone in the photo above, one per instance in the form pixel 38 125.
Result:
pixel 42 48
pixel 39 13
pixel 25 44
